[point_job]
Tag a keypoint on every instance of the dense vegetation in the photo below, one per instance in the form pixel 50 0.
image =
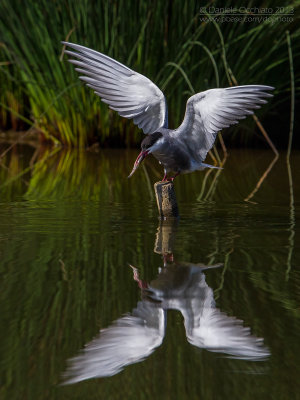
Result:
pixel 166 40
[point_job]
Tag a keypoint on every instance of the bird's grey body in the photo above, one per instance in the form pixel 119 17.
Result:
pixel 171 154
pixel 134 96
pixel 174 155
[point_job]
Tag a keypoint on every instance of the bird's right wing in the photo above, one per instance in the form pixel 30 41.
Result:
pixel 129 93
pixel 210 111
pixel 209 328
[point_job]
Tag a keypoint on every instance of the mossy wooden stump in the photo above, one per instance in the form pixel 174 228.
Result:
pixel 166 200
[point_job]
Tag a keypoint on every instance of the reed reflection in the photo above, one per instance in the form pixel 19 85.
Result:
pixel 178 286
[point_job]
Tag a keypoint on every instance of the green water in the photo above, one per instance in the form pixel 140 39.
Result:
pixel 71 226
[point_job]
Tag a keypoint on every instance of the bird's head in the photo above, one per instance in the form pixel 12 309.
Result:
pixel 147 146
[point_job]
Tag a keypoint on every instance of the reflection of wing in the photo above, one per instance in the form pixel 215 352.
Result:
pixel 127 341
pixel 207 327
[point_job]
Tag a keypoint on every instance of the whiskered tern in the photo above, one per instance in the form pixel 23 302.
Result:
pixel 134 96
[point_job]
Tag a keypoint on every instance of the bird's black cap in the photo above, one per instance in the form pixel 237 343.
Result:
pixel 150 140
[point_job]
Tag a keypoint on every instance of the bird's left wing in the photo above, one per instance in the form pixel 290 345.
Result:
pixel 129 93
pixel 210 111
pixel 128 340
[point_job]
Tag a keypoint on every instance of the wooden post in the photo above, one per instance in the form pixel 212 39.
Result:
pixel 166 199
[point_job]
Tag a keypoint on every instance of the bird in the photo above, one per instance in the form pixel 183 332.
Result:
pixel 136 335
pixel 134 96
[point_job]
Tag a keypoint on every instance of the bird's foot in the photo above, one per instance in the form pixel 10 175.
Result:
pixel 168 258
pixel 171 178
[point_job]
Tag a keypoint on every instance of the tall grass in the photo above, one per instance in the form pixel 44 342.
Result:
pixel 167 41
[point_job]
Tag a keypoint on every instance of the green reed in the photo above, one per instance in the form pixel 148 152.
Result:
pixel 167 41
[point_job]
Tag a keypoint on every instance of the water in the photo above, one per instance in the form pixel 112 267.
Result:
pixel 87 293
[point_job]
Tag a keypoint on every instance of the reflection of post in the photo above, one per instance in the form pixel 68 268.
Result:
pixel 166 199
pixel 165 237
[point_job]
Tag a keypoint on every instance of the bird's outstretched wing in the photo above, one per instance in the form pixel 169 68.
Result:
pixel 210 111
pixel 209 328
pixel 213 330
pixel 129 93
pixel 128 340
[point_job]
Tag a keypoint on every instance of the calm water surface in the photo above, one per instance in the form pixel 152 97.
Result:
pixel 99 300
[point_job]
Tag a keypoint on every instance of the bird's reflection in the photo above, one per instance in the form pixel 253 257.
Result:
pixel 128 340
pixel 178 286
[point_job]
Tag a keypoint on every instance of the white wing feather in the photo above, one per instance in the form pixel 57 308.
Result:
pixel 210 111
pixel 129 93
pixel 128 340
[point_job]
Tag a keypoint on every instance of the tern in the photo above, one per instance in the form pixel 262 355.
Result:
pixel 133 337
pixel 136 97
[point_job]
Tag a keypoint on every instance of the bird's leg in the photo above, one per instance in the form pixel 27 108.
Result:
pixel 168 258
pixel 173 177
pixel 164 179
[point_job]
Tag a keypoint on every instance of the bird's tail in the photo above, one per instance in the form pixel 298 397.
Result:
pixel 203 165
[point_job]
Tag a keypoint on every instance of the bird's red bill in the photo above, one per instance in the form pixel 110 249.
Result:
pixel 138 161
